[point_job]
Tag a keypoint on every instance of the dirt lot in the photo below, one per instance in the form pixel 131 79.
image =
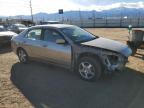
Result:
pixel 45 86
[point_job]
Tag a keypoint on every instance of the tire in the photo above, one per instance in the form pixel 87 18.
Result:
pixel 89 68
pixel 22 55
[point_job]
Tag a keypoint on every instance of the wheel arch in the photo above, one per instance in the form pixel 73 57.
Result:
pixel 87 54
pixel 94 57
pixel 19 49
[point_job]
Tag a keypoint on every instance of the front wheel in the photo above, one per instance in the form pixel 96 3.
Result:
pixel 22 55
pixel 89 68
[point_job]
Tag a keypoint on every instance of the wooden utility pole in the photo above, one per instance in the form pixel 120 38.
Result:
pixel 31 10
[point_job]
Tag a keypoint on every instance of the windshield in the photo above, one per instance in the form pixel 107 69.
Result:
pixel 77 34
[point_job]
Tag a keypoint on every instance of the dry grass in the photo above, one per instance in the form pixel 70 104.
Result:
pixel 111 33
pixel 11 97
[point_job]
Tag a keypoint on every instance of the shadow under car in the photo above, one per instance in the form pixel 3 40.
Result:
pixel 46 86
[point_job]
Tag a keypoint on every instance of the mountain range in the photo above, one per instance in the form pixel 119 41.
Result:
pixel 76 15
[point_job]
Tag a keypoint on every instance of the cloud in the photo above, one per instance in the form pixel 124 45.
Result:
pixel 13 7
pixel 21 7
pixel 136 5
pixel 101 2
pixel 51 6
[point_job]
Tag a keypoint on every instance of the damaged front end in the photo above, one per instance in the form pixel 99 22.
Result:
pixel 113 62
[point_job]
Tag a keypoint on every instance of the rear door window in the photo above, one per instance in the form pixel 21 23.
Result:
pixel 34 34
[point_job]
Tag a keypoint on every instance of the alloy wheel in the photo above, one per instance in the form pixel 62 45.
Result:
pixel 22 56
pixel 86 70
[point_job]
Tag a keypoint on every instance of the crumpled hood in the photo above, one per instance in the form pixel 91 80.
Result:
pixel 7 33
pixel 110 45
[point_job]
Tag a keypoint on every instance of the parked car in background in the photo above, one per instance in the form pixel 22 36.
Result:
pixel 5 36
pixel 17 28
pixel 71 47
pixel 1 27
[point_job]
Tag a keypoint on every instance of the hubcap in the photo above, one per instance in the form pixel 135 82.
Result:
pixel 86 70
pixel 22 56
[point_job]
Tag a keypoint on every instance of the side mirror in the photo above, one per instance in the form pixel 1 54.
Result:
pixel 60 41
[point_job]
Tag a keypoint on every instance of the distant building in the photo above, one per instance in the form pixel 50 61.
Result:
pixel 9 21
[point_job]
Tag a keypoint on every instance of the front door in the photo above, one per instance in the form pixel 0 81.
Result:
pixel 53 52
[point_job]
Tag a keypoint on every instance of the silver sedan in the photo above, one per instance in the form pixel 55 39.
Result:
pixel 71 47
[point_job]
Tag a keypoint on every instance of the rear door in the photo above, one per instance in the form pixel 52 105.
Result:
pixel 32 42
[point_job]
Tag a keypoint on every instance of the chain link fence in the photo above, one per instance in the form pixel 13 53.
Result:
pixel 107 22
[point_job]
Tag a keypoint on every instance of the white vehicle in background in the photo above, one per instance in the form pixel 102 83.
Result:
pixel 5 36
pixel 17 28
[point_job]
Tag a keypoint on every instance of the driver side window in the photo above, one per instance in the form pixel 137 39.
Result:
pixel 51 35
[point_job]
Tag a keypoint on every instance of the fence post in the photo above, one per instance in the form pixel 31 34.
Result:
pixel 106 22
pixel 138 19
pixel 94 18
pixel 81 20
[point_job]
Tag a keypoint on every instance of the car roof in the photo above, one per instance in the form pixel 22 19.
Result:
pixel 54 25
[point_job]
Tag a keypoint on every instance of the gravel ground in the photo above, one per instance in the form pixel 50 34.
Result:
pixel 46 86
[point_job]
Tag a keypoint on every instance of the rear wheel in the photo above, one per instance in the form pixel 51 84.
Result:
pixel 89 68
pixel 22 55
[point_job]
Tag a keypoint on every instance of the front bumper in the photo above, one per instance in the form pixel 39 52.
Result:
pixel 114 62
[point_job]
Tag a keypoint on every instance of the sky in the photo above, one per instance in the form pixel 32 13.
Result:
pixel 22 7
